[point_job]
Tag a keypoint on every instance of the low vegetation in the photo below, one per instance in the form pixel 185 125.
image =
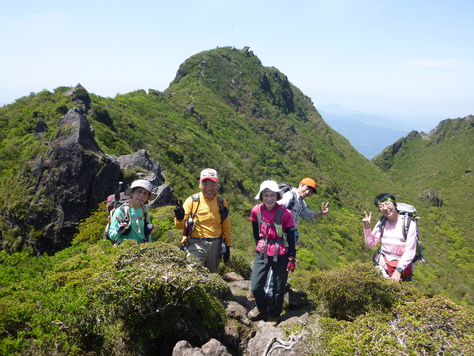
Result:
pixel 225 110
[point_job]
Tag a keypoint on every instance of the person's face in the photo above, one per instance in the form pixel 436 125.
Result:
pixel 139 196
pixel 269 198
pixel 305 191
pixel 209 188
pixel 387 208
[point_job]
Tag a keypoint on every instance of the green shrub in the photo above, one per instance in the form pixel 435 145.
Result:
pixel 426 326
pixel 347 292
pixel 97 296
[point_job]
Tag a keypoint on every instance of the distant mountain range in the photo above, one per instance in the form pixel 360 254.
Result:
pixel 369 134
pixel 368 139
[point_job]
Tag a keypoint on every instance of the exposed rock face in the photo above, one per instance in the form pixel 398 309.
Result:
pixel 164 196
pixel 153 175
pixel 40 128
pixel 211 348
pixel 73 177
pixel 81 96
pixel 248 338
pixel 81 136
pixel 142 160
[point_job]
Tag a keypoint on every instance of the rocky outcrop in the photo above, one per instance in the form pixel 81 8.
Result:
pixel 150 171
pixel 72 178
pixel 40 128
pixel 211 348
pixel 80 96
pixel 80 132
pixel 248 338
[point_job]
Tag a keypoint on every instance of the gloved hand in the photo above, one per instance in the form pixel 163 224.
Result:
pixel 123 229
pixel 290 267
pixel 184 244
pixel 226 254
pixel 179 211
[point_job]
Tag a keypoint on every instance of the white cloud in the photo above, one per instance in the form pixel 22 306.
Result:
pixel 434 63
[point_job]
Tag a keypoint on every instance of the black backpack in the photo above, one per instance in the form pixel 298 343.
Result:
pixel 191 222
pixel 223 211
pixel 284 187
pixel 409 216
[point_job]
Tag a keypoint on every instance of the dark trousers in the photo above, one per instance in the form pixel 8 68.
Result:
pixel 259 279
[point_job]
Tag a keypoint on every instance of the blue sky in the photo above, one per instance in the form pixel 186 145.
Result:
pixel 413 60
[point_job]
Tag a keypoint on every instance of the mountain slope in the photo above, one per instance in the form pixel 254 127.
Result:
pixel 227 111
pixel 437 169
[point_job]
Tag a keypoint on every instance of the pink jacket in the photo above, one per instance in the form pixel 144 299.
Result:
pixel 394 246
pixel 269 217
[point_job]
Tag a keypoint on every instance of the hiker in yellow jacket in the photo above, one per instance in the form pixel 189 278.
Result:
pixel 204 218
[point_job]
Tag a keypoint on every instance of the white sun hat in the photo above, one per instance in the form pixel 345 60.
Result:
pixel 269 185
pixel 141 183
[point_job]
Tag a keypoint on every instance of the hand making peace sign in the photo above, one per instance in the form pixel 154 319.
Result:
pixel 324 208
pixel 366 220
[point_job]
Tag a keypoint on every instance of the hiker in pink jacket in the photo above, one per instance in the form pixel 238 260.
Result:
pixel 396 254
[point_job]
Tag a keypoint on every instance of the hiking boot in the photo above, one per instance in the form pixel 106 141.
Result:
pixel 272 320
pixel 255 314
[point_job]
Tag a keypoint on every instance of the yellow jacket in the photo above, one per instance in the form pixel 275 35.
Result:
pixel 208 223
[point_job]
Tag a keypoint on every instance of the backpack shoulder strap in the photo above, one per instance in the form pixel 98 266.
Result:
pixel 259 220
pixel 382 222
pixel 195 197
pixel 406 224
pixel 293 200
pixel 224 211
pixel 278 217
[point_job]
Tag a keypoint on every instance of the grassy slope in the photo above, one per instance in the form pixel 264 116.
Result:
pixel 439 167
pixel 250 123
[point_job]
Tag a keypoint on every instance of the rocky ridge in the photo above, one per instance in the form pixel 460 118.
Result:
pixel 74 161
pixel 257 338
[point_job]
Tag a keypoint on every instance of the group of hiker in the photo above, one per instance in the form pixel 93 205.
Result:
pixel 205 221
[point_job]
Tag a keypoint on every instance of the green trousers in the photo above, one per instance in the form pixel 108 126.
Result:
pixel 259 278
pixel 208 251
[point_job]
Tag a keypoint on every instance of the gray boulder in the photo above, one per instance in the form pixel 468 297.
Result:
pixel 71 178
